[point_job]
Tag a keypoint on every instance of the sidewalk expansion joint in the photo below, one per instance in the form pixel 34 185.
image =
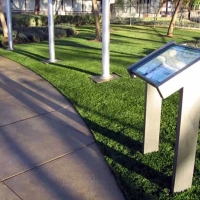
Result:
pixel 44 163
pixel 12 191
pixel 37 115
pixel 20 120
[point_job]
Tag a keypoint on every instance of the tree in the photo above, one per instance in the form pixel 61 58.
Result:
pixel 190 4
pixel 3 22
pixel 162 4
pixel 172 22
pixel 37 7
pixel 96 19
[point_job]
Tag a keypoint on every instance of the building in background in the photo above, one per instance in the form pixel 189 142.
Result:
pixel 61 7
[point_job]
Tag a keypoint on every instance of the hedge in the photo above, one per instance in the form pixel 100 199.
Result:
pixel 30 20
pixel 37 34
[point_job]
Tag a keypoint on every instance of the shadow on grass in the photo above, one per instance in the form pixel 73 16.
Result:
pixel 32 55
pixel 75 69
pixel 134 145
pixel 135 191
pixel 83 55
pixel 42 59
pixel 134 39
pixel 134 166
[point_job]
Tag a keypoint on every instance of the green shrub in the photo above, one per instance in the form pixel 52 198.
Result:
pixel 21 38
pixel 44 19
pixel 14 33
pixel 60 32
pixel 88 19
pixel 37 34
pixel 70 32
pixel 38 21
pixel 76 20
pixel 59 19
pixel 19 20
pixel 30 20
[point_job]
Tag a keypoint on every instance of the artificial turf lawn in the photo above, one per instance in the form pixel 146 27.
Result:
pixel 114 111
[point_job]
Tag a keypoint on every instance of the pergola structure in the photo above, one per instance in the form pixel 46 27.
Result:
pixel 105 36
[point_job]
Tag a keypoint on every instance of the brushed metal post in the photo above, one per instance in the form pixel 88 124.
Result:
pixel 153 104
pixel 186 138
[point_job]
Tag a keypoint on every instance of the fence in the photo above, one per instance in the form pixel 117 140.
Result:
pixel 146 14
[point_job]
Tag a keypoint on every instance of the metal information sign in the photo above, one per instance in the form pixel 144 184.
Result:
pixel 167 70
pixel 165 63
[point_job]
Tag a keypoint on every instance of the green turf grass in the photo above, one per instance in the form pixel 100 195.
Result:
pixel 114 111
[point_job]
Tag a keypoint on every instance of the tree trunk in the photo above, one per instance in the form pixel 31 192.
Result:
pixel 189 14
pixel 37 7
pixel 96 19
pixel 172 22
pixel 3 22
pixel 162 4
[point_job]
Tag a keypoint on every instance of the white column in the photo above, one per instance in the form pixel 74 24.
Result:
pixel 51 32
pixel 9 24
pixel 105 39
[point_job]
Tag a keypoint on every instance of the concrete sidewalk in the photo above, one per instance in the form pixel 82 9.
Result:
pixel 46 150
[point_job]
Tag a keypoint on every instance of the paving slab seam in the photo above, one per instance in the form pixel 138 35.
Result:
pixel 1 126
pixel 38 114
pixel 21 120
pixel 53 110
pixel 12 190
pixel 44 163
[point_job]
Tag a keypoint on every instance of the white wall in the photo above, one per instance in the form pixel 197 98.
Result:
pixel 3 3
pixel 68 6
pixel 77 5
pixel 30 4
pixel 18 4
pixel 87 6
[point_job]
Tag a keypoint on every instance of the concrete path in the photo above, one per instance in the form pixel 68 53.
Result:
pixel 46 150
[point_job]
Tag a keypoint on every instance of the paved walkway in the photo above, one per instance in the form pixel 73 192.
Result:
pixel 46 150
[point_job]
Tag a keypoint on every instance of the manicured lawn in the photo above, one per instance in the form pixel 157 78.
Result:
pixel 114 111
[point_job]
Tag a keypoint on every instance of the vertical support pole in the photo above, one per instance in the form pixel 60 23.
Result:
pixel 51 31
pixel 152 119
pixel 167 8
pixel 62 5
pixel 9 24
pixel 105 39
pixel 25 5
pixel 82 6
pixel 186 138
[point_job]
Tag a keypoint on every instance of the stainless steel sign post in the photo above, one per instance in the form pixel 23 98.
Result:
pixel 170 69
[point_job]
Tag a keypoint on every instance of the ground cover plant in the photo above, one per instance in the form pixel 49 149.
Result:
pixel 114 111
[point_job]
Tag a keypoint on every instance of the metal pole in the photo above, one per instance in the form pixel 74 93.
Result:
pixel 105 39
pixel 153 106
pixel 51 31
pixel 186 138
pixel 9 24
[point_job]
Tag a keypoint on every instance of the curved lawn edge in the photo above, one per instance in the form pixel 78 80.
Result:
pixel 114 110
